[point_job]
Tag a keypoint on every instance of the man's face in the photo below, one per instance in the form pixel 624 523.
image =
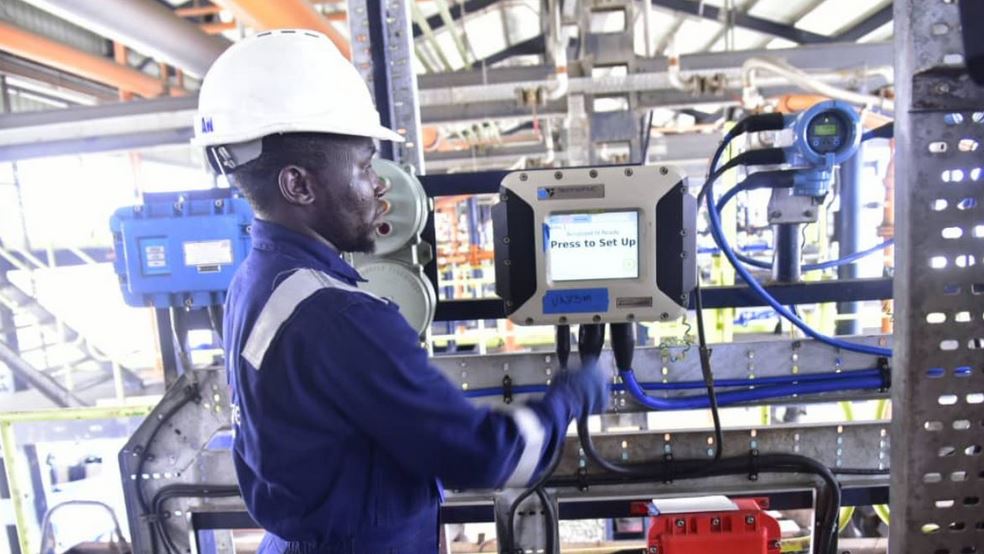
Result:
pixel 348 206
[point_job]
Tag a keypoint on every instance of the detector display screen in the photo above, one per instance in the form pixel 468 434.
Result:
pixel 592 245
pixel 826 129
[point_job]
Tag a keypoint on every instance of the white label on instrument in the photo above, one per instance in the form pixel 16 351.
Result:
pixel 211 252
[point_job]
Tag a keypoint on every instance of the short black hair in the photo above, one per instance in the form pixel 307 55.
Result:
pixel 257 179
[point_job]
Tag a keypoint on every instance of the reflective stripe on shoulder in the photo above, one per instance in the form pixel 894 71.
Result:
pixel 531 429
pixel 282 304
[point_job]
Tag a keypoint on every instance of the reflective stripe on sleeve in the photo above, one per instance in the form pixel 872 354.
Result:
pixel 533 435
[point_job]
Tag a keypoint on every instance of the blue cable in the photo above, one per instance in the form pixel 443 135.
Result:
pixel 760 382
pixel 760 291
pixel 886 131
pixel 734 397
pixel 820 266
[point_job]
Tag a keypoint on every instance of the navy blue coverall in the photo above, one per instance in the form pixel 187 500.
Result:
pixel 344 432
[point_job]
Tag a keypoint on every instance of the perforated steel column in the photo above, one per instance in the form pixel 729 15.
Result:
pixel 938 387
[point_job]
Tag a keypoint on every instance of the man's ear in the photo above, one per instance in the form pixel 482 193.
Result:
pixel 296 185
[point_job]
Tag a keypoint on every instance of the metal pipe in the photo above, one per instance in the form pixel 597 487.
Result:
pixel 786 261
pixel 263 15
pixel 848 225
pixel 55 54
pixel 807 82
pixel 146 26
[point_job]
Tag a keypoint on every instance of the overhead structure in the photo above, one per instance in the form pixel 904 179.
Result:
pixel 160 33
pixel 285 14
pixel 55 54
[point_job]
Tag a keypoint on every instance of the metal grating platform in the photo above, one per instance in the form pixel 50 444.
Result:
pixel 938 388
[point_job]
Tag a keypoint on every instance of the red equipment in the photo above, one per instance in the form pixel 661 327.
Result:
pixel 748 530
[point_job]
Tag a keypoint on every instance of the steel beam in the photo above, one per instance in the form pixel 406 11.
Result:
pixel 758 24
pixel 866 25
pixel 457 12
pixel 714 297
pixel 167 120
pixel 482 376
pixel 47 386
pixel 938 383
pixel 14 66
pixel 43 50
pixel 536 45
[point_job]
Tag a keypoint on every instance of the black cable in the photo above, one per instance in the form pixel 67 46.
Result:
pixel 215 320
pixel 191 393
pixel 765 156
pixel 646 137
pixel 705 369
pixel 550 515
pixel 186 491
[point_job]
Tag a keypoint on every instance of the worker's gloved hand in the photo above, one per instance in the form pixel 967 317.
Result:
pixel 587 387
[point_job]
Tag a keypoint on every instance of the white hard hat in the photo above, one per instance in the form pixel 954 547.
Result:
pixel 284 81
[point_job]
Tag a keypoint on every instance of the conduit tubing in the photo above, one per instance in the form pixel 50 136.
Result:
pixel 60 56
pixel 146 26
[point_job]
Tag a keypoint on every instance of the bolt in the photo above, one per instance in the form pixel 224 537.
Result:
pixel 663 171
pixel 507 262
pixel 750 520
pixel 596 318
pixel 680 523
pixel 683 254
pixel 653 550
pixel 628 172
pixel 664 316
pixel 684 298
pixel 683 232
pixel 716 522
pixel 775 545
pixel 219 203
pixel 523 177
pixel 559 175
pixel 188 302
pixel 249 228
pixel 593 173
pixel 775 215
pixel 808 213
pixel 942 88
pixel 529 321
pixel 505 240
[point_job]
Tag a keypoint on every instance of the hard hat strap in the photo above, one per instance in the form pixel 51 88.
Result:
pixel 228 157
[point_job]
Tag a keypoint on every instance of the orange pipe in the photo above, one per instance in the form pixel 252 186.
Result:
pixel 216 28
pixel 264 15
pixel 60 56
pixel 198 11
pixel 120 56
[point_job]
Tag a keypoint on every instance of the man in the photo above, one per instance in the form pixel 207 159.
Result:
pixel 344 432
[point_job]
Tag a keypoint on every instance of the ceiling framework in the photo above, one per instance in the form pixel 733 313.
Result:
pixel 448 37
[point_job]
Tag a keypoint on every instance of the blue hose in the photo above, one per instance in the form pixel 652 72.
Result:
pixel 820 266
pixel 734 397
pixel 759 382
pixel 760 291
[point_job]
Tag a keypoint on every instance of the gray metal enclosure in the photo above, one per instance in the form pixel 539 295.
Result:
pixel 938 386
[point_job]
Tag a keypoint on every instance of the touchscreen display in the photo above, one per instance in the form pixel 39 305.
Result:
pixel 592 245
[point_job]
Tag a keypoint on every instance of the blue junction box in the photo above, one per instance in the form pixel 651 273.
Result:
pixel 180 249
